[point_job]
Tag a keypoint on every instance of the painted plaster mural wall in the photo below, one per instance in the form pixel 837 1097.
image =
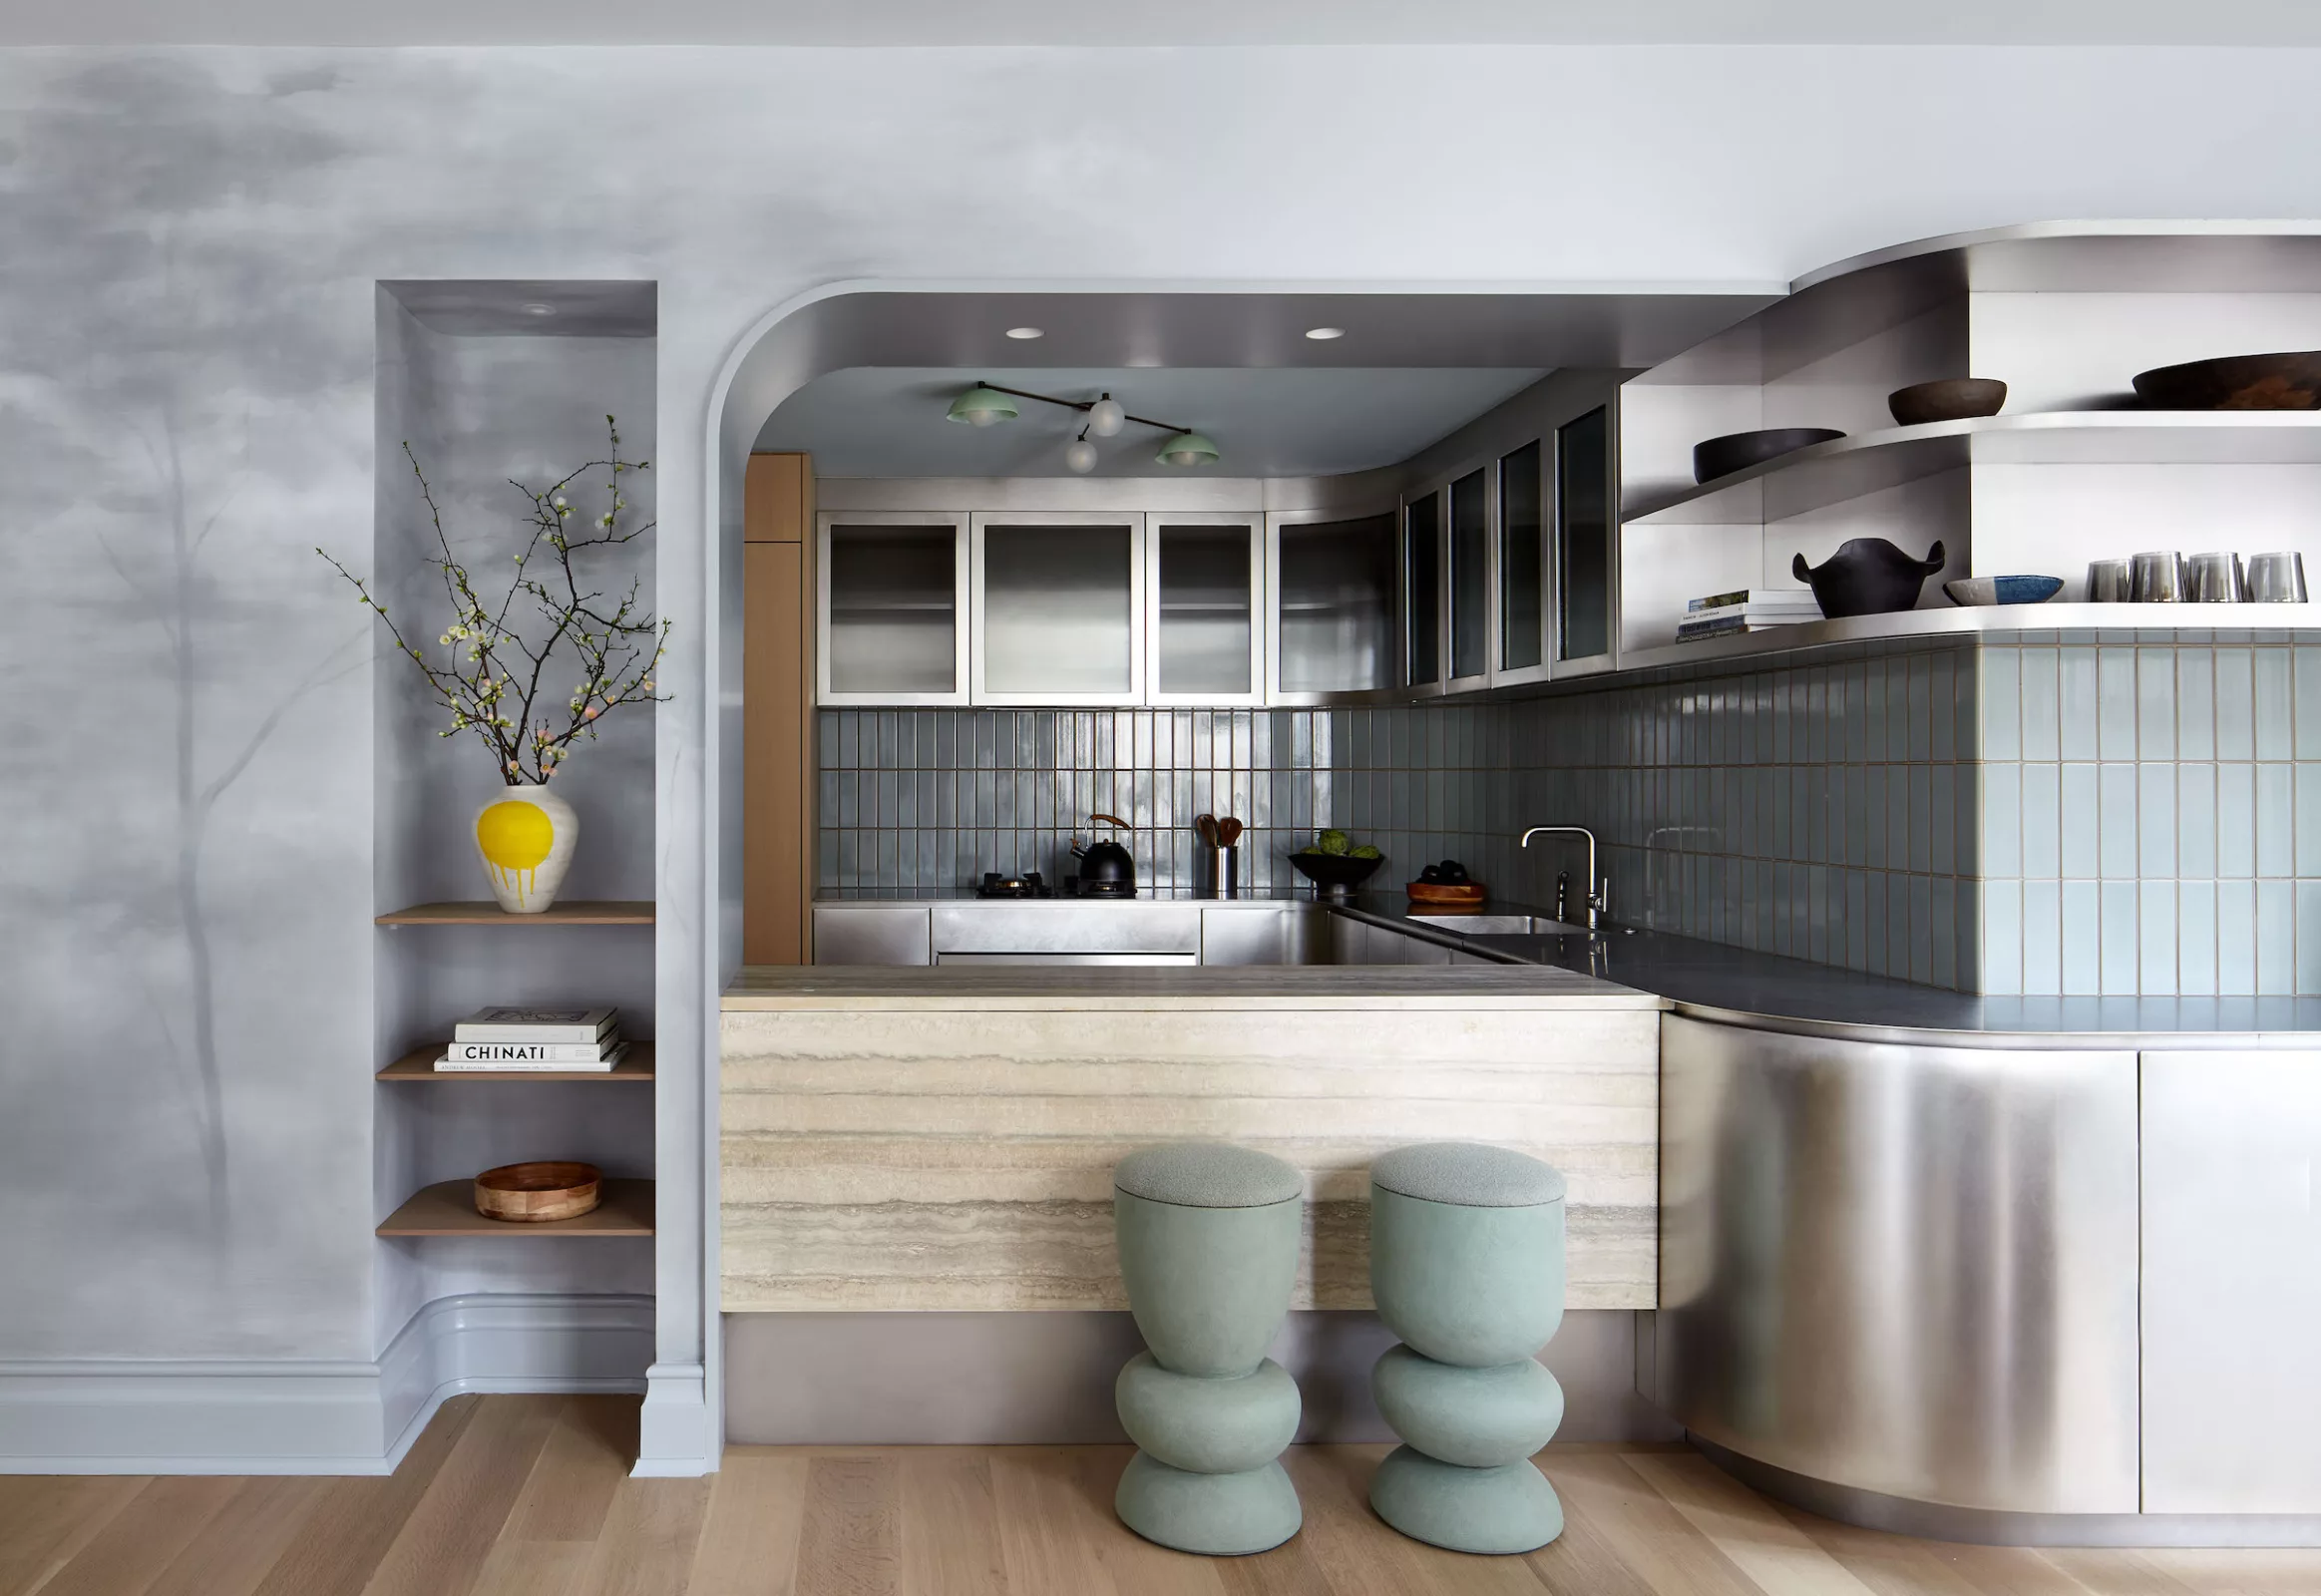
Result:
pixel 189 243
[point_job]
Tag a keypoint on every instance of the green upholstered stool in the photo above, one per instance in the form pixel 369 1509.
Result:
pixel 1467 1267
pixel 1208 1238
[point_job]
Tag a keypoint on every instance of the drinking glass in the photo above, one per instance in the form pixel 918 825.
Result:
pixel 2277 578
pixel 2110 581
pixel 2160 578
pixel 2215 579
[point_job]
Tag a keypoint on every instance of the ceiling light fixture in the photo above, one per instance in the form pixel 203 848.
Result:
pixel 989 402
pixel 1026 332
pixel 1324 334
pixel 537 307
pixel 982 406
pixel 1187 448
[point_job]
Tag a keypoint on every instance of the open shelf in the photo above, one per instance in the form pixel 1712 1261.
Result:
pixel 2169 622
pixel 576 913
pixel 1829 473
pixel 448 1208
pixel 419 1065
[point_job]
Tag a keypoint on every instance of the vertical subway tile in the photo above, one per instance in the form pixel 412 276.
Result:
pixel 1921 929
pixel 2043 937
pixel 1897 709
pixel 2041 820
pixel 2235 819
pixel 2276 937
pixel 2001 704
pixel 1942 932
pixel 2196 939
pixel 2115 820
pixel 2041 722
pixel 2156 703
pixel 2196 703
pixel 2081 834
pixel 2235 938
pixel 2156 911
pixel 1873 920
pixel 2121 946
pixel 2077 704
pixel 2155 820
pixel 2082 938
pixel 2308 949
pixel 1921 690
pixel 2308 802
pixel 2273 710
pixel 2001 811
pixel 2001 946
pixel 2276 836
pixel 2195 820
pixel 2116 703
pixel 1942 708
pixel 2236 703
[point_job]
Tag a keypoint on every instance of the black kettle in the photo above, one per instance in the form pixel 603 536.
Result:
pixel 1867 577
pixel 1106 870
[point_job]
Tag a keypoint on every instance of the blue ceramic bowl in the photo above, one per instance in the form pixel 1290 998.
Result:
pixel 2003 589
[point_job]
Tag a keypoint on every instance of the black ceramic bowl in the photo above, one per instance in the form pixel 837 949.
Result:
pixel 2235 382
pixel 1946 399
pixel 1335 871
pixel 1737 451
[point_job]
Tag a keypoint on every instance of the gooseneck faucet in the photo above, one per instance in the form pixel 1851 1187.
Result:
pixel 1599 892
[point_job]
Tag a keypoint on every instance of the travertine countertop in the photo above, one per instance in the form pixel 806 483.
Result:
pixel 1191 986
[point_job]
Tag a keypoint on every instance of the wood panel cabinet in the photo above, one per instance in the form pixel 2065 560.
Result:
pixel 778 653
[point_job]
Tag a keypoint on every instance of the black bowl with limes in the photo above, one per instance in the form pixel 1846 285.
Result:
pixel 1335 872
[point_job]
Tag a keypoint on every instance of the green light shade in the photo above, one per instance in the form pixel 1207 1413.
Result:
pixel 980 407
pixel 1187 449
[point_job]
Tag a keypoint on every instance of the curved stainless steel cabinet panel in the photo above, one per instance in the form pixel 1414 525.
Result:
pixel 1903 1269
pixel 872 934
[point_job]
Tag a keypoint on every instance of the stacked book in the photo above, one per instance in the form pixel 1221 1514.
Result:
pixel 559 1040
pixel 1745 609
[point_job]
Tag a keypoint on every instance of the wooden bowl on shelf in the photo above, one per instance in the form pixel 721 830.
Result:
pixel 1450 899
pixel 535 1193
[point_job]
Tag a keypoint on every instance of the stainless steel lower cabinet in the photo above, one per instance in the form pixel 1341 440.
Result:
pixel 2231 1283
pixel 1903 1269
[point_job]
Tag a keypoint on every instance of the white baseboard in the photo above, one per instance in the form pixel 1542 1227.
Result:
pixel 673 1440
pixel 128 1415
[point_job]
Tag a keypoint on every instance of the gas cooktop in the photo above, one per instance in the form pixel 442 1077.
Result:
pixel 1027 884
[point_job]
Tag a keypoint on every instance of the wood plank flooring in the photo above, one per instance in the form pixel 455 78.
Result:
pixel 531 1497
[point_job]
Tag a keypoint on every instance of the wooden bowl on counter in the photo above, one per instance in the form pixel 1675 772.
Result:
pixel 535 1193
pixel 1450 899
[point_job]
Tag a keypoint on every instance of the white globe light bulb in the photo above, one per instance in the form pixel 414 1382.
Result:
pixel 983 418
pixel 1106 417
pixel 1081 456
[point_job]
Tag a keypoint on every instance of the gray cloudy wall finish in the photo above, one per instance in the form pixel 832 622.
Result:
pixel 187 334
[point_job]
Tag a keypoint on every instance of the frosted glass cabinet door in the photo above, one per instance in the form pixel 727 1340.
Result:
pixel 1523 568
pixel 1335 591
pixel 1058 610
pixel 1422 590
pixel 1206 633
pixel 893 592
pixel 1469 581
pixel 1583 535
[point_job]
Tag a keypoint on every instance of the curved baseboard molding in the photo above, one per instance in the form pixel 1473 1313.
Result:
pixel 132 1415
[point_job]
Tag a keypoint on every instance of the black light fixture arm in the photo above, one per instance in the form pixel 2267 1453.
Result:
pixel 1083 405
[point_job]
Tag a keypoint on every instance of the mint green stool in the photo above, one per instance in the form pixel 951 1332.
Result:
pixel 1467 1267
pixel 1209 1237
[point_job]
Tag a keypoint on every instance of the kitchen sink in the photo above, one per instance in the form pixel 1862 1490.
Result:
pixel 1496 925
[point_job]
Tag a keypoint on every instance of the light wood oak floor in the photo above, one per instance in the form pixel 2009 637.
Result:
pixel 528 1496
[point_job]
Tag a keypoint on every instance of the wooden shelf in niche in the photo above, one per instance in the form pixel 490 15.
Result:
pixel 578 913
pixel 448 1208
pixel 419 1065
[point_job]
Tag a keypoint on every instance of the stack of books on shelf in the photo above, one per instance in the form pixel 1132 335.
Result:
pixel 558 1040
pixel 1745 609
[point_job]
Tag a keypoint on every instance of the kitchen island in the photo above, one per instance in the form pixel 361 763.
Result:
pixel 942 1137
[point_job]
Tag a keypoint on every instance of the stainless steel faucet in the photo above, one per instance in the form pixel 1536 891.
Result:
pixel 1599 891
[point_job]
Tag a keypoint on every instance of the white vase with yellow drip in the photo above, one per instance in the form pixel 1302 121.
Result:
pixel 526 836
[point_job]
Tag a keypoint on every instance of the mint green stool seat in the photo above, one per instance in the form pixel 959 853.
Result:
pixel 1209 1237
pixel 1467 1267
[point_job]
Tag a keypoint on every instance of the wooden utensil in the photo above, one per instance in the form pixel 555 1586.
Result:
pixel 533 1193
pixel 1228 832
pixel 1205 825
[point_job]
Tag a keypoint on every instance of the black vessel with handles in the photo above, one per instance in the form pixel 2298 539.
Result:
pixel 1867 577
pixel 1106 870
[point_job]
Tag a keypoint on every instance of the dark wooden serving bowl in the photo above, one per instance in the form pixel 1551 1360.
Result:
pixel 2235 382
pixel 1946 399
pixel 1737 451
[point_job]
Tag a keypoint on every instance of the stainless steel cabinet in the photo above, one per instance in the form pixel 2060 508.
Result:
pixel 1525 592
pixel 1058 609
pixel 2231 1282
pixel 893 608
pixel 1336 601
pixel 1205 633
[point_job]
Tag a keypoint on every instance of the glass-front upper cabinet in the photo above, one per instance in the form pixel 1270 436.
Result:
pixel 1336 589
pixel 1468 580
pixel 1523 567
pixel 1057 614
pixel 1422 590
pixel 1583 537
pixel 892 600
pixel 1205 637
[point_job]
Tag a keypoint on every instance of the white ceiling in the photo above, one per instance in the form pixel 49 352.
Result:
pixel 1181 22
pixel 889 420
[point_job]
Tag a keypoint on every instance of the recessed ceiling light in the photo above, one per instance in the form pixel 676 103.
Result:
pixel 1324 334
pixel 537 307
pixel 1026 332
